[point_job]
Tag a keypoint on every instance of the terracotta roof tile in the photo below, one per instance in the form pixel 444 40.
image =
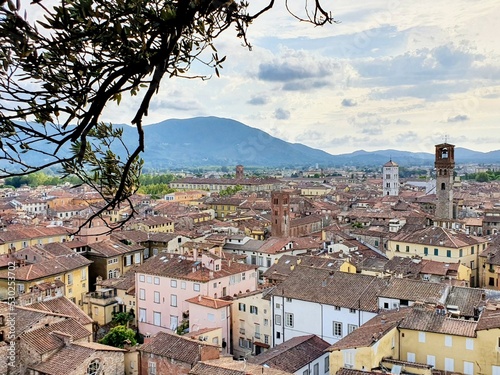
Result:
pixel 174 347
pixel 42 341
pixel 414 290
pixel 370 332
pixel 425 318
pixel 328 287
pixel 293 354
pixel 63 305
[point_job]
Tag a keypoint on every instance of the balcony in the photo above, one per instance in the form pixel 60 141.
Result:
pixel 103 297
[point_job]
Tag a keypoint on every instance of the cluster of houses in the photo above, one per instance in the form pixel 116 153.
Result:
pixel 300 276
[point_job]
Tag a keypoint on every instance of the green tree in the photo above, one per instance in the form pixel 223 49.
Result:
pixel 482 177
pixel 123 318
pixel 118 336
pixel 58 74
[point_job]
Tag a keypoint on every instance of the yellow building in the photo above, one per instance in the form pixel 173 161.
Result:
pixel 186 196
pixel 365 347
pixel 442 245
pixel 153 224
pixel 111 259
pixel 225 206
pixel 50 264
pixel 489 266
pixel 430 335
pixel 424 337
pixel 315 191
pixel 12 240
pixel 111 296
pixel 251 319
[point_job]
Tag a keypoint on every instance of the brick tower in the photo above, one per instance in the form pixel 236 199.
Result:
pixel 445 168
pixel 240 172
pixel 280 214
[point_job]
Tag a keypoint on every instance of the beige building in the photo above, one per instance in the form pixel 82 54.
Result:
pixel 252 324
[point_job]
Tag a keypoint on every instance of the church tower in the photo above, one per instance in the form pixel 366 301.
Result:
pixel 280 214
pixel 390 178
pixel 445 168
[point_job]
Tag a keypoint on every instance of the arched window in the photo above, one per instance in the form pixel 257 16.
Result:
pixel 110 274
pixel 443 186
pixel 94 367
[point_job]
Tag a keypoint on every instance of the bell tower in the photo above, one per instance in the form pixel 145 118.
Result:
pixel 445 168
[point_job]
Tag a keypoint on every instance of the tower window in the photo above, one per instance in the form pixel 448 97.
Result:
pixel 443 186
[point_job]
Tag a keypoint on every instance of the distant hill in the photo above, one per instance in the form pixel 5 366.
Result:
pixel 213 141
pixel 205 141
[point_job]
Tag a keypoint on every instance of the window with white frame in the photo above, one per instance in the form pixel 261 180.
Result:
pixel 448 341
pixel 142 278
pixel 156 280
pixel 157 297
pixel 128 260
pixel 84 274
pixel 196 287
pixel 137 258
pixel 410 357
pixel 149 279
pixel 351 327
pixel 142 315
pixel 277 320
pixel 431 360
pixel 327 364
pixel 142 294
pixel 468 368
pixel 241 306
pixel 337 329
pixel 157 318
pixel 449 364
pixel 173 283
pixel 70 278
pixel 469 344
pixel 421 337
pixel 288 319
pixel 253 310
pixel 173 300
pixel 151 368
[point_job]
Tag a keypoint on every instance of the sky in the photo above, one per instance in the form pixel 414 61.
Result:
pixel 391 74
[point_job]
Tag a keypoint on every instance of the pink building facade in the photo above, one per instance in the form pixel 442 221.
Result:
pixel 207 312
pixel 164 283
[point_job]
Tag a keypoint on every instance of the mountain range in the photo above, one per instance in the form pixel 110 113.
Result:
pixel 214 141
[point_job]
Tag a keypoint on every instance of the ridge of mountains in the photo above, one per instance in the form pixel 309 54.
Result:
pixel 214 141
